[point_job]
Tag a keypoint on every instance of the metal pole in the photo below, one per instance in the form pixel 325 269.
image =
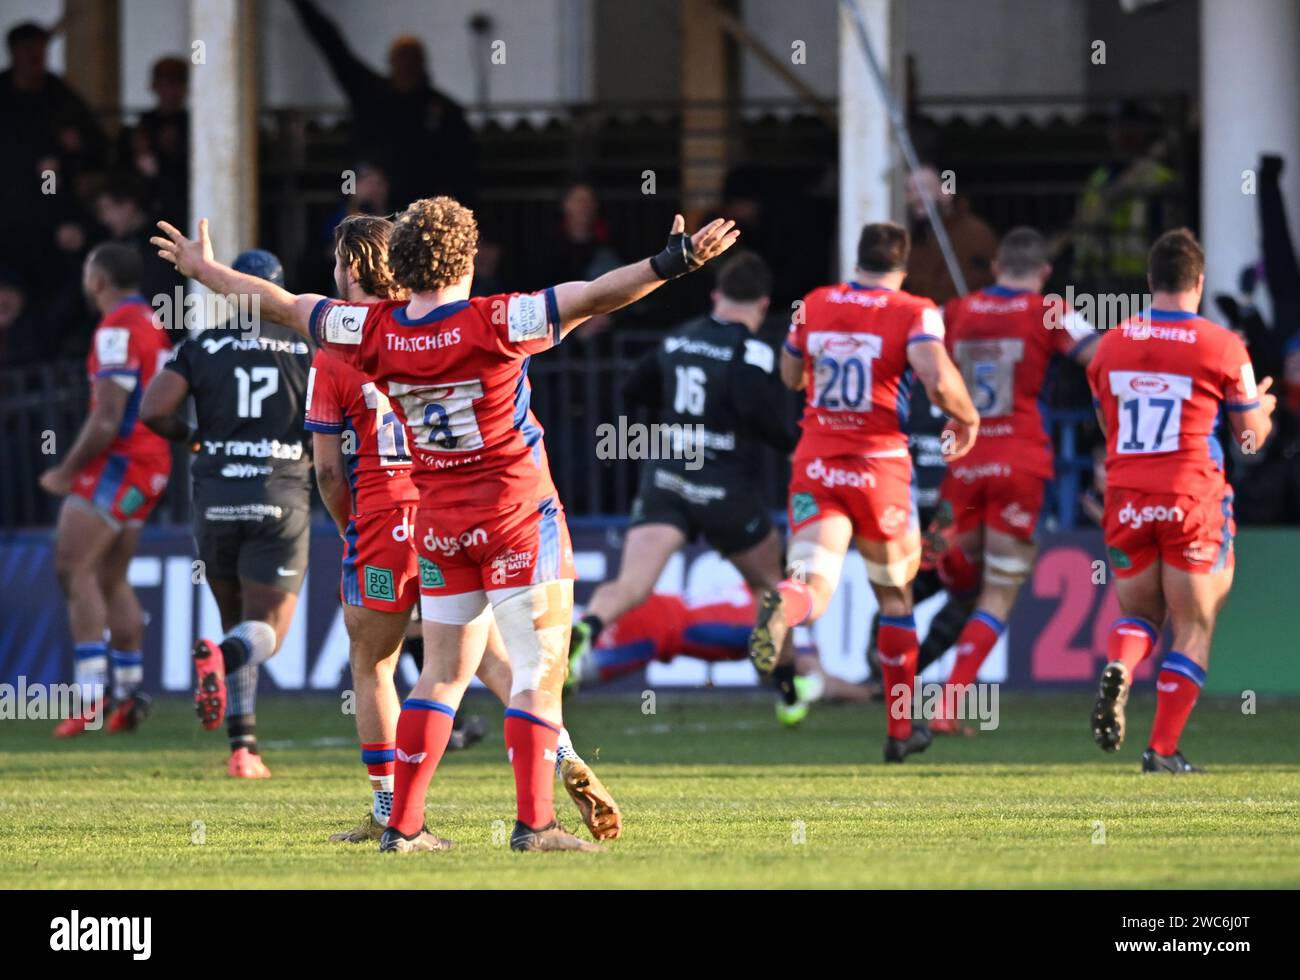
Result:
pixel 905 144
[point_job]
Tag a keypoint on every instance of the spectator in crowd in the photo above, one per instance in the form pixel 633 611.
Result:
pixel 157 148
pixel 123 208
pixel 21 339
pixel 577 247
pixel 973 241
pixel 1122 208
pixel 50 140
pixel 420 133
pixel 1270 494
pixel 366 190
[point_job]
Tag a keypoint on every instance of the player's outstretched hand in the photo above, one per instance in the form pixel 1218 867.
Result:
pixel 957 439
pixel 686 253
pixel 1267 400
pixel 187 254
pixel 711 240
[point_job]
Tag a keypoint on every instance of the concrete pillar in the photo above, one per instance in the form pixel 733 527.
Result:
pixel 1250 92
pixel 866 142
pixel 223 123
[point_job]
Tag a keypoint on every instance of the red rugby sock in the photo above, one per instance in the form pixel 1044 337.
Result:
pixel 798 601
pixel 897 648
pixel 530 744
pixel 1177 688
pixel 977 638
pixel 1131 641
pixel 423 730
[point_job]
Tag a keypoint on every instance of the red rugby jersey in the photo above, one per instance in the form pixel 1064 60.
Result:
pixel 130 348
pixel 1160 380
pixel 853 340
pixel 341 400
pixel 457 377
pixel 1005 342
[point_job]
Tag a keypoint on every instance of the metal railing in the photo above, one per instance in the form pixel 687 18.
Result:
pixel 575 389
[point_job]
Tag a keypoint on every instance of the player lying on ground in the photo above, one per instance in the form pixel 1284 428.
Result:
pixel 852 347
pixel 1005 340
pixel 363 471
pixel 713 377
pixel 715 630
pixel 490 528
pixel 1160 382
pixel 112 477
pixel 252 498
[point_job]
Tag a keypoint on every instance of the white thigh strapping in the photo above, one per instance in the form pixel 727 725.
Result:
pixel 468 608
pixel 534 652
pixel 1005 570
pixel 894 573
pixel 811 558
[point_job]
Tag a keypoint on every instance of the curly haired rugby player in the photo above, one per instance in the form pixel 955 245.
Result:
pixel 363 470
pixel 490 528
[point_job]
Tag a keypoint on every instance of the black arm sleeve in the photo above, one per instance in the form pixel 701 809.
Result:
pixel 1281 267
pixel 763 403
pixel 357 79
pixel 644 384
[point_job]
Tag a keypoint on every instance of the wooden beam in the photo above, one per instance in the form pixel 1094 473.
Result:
pixel 92 62
pixel 743 35
pixel 705 92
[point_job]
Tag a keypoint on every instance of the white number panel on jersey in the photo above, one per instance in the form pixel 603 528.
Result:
pixel 1150 410
pixel 441 417
pixel 389 434
pixel 842 369
pixel 690 394
pixel 254 388
pixel 989 370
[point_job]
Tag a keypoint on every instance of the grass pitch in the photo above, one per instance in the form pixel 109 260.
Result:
pixel 713 794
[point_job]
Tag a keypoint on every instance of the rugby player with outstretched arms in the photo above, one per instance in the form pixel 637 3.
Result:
pixel 363 469
pixel 1161 382
pixel 853 347
pixel 252 498
pixel 110 479
pixel 490 530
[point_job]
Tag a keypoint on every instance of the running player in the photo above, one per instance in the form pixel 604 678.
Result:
pixel 710 382
pixel 1160 382
pixel 110 480
pixel 490 529
pixel 251 474
pixel 1005 339
pixel 853 348
pixel 363 471
pixel 714 629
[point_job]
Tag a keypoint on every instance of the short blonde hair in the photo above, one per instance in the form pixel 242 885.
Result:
pixel 433 244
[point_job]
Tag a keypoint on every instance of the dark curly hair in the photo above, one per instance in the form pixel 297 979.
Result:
pixel 433 244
